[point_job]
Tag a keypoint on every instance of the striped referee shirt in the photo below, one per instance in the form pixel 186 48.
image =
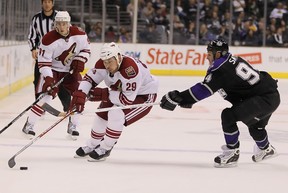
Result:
pixel 40 25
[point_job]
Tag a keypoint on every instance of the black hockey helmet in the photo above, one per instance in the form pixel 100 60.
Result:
pixel 218 45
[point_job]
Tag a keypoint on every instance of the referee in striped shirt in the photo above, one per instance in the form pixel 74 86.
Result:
pixel 42 23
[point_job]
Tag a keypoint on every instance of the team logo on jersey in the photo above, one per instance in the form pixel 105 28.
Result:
pixel 117 86
pixel 219 43
pixel 67 55
pixel 130 71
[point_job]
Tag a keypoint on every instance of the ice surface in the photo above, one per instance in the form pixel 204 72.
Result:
pixel 165 152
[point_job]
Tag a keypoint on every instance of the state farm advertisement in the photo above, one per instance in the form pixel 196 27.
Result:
pixel 193 58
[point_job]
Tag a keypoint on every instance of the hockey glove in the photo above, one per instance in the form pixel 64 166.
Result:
pixel 99 94
pixel 77 65
pixel 48 86
pixel 78 101
pixel 187 101
pixel 171 100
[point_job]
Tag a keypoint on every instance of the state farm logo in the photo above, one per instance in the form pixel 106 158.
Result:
pixel 158 56
pixel 186 57
pixel 252 58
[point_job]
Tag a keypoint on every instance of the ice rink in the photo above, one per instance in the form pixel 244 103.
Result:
pixel 165 152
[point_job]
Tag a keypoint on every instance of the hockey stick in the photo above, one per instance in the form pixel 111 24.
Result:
pixel 57 113
pixel 48 108
pixel 35 102
pixel 12 163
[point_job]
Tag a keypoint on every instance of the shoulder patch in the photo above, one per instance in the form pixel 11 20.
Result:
pixel 129 68
pixel 130 71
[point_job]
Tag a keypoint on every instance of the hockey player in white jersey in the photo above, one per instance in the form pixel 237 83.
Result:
pixel 63 52
pixel 128 82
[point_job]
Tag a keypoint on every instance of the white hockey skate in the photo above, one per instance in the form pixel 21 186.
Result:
pixel 28 130
pixel 260 155
pixel 72 131
pixel 228 158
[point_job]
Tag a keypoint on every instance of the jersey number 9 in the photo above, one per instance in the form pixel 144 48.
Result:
pixel 247 73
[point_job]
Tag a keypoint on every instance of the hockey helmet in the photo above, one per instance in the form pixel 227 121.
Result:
pixel 110 50
pixel 62 16
pixel 218 45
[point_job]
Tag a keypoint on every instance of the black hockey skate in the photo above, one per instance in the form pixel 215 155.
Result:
pixel 84 151
pixel 99 154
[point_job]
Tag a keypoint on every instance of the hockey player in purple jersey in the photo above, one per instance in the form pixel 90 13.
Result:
pixel 252 93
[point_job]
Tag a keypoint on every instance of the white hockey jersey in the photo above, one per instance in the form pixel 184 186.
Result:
pixel 132 78
pixel 57 52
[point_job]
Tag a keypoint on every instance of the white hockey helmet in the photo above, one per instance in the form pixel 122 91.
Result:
pixel 62 16
pixel 110 50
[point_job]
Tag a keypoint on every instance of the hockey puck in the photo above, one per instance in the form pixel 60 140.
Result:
pixel 23 168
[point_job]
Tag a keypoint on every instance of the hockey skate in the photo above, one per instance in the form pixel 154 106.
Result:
pixel 84 151
pixel 73 133
pixel 228 158
pixel 99 154
pixel 28 130
pixel 263 154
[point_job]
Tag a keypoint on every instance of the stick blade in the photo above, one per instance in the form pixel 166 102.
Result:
pixel 51 110
pixel 11 162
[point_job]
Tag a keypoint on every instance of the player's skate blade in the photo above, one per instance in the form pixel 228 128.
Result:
pixel 73 136
pixel 230 165
pixel 28 136
pixel 99 154
pixel 96 160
